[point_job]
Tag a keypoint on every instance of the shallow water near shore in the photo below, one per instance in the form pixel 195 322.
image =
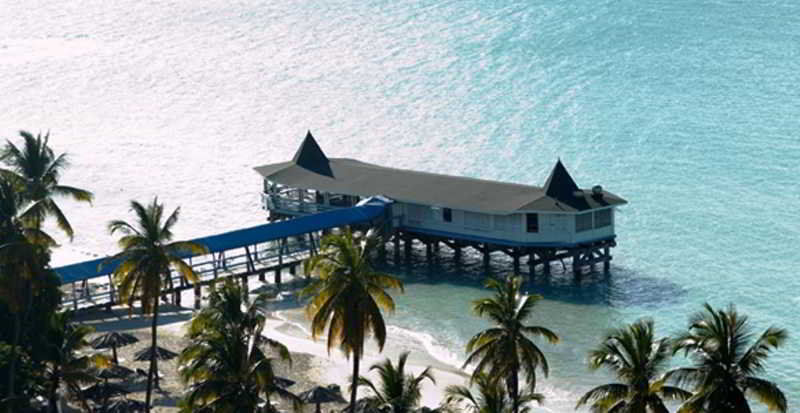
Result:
pixel 688 109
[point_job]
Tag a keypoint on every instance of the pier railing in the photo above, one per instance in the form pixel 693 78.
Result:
pixel 293 206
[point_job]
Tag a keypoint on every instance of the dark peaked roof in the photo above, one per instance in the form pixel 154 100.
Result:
pixel 560 184
pixel 310 156
pixel 311 169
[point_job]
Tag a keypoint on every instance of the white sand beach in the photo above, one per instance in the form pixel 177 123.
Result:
pixel 312 364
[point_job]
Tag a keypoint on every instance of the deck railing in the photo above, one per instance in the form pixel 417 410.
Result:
pixel 281 204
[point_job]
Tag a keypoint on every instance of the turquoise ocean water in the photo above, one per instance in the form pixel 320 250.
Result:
pixel 689 109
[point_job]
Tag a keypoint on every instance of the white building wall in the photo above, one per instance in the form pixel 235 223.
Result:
pixel 553 228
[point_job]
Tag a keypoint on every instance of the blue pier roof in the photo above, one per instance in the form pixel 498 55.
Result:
pixel 242 237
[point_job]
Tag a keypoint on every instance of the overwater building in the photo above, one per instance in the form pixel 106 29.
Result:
pixel 555 221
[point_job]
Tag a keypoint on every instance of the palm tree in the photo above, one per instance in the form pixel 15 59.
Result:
pixel 23 266
pixel 490 398
pixel 348 296
pixel 145 263
pixel 504 350
pixel 226 364
pixel 398 389
pixel 63 366
pixel 638 359
pixel 35 169
pixel 727 362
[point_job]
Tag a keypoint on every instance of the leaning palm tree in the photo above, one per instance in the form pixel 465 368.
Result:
pixel 727 363
pixel 64 367
pixel 23 266
pixel 639 360
pixel 36 170
pixel 398 389
pixel 491 397
pixel 227 365
pixel 348 295
pixel 504 350
pixel 146 261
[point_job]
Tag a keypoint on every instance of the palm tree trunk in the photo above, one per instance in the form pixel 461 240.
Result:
pixel 53 397
pixel 153 365
pixel 14 353
pixel 13 363
pixel 354 387
pixel 512 382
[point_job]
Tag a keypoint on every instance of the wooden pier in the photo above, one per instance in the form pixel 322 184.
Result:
pixel 584 257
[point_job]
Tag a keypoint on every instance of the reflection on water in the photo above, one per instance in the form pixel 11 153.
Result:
pixel 622 287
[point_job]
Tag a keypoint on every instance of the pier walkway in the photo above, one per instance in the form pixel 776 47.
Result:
pixel 240 253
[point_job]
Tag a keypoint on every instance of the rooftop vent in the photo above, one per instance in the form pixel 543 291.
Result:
pixel 597 191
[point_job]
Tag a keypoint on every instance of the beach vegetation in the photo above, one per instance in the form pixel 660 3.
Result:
pixel 396 388
pixel 727 360
pixel 229 365
pixel 505 350
pixel 348 296
pixel 64 366
pixel 25 278
pixel 639 360
pixel 490 396
pixel 35 170
pixel 146 260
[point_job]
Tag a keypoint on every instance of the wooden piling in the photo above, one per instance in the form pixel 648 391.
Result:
pixel 197 296
pixel 486 257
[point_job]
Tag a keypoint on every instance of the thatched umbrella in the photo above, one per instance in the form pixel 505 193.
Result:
pixel 124 405
pixel 282 382
pixel 148 352
pixel 159 353
pixel 102 391
pixel 115 372
pixel 365 406
pixel 113 340
pixel 319 395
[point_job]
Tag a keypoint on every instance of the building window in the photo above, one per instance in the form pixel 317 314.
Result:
pixel 583 222
pixel 532 222
pixel 508 223
pixel 416 214
pixel 447 215
pixel 602 218
pixel 477 220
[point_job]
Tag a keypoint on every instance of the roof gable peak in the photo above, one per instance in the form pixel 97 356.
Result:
pixel 310 156
pixel 560 184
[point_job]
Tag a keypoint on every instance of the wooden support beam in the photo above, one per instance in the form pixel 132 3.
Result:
pixel 407 243
pixel 486 257
pixel 251 266
pixel 111 290
pixel 516 263
pixel 607 262
pixel 176 298
pixel 262 276
pixel 74 297
pixel 197 296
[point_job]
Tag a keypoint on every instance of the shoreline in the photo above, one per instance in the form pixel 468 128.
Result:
pixel 312 363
